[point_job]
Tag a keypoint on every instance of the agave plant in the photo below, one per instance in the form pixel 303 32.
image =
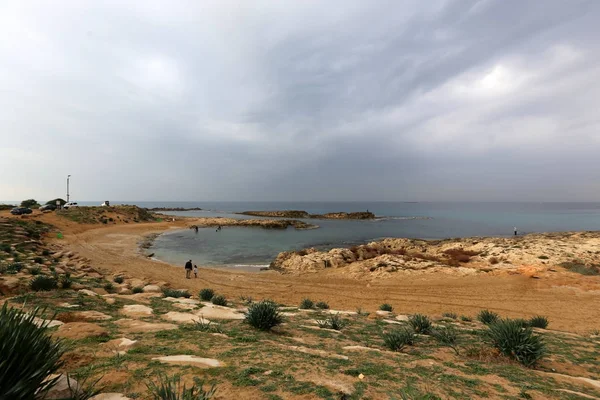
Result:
pixel 420 323
pixel 170 389
pixel 29 355
pixel 487 317
pixel 334 321
pixel 264 315
pixel 515 341
pixel 207 294
pixel 396 340
pixel 538 322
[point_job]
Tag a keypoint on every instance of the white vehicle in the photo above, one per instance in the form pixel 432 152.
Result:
pixel 105 204
pixel 70 205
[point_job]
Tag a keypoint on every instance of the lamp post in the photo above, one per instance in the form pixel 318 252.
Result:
pixel 68 176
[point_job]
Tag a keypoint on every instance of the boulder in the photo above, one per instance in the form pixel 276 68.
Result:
pixel 88 292
pixel 80 330
pixel 65 388
pixel 152 289
pixel 136 310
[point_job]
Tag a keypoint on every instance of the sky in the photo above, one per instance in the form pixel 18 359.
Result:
pixel 401 100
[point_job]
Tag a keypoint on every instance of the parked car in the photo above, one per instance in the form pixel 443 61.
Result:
pixel 20 211
pixel 47 207
pixel 105 204
pixel 70 205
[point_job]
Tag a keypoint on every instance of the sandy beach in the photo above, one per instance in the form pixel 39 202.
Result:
pixel 568 299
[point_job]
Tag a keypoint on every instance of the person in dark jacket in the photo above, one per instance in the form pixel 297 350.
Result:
pixel 188 269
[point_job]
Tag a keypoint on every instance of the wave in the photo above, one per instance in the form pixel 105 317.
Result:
pixel 249 265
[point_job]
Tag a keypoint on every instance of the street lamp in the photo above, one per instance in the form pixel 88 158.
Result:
pixel 68 176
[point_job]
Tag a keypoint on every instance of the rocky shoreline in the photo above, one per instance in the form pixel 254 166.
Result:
pixel 576 252
pixel 261 223
pixel 306 215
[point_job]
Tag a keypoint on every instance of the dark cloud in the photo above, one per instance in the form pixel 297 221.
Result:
pixel 387 100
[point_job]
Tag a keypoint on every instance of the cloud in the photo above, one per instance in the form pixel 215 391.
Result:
pixel 338 100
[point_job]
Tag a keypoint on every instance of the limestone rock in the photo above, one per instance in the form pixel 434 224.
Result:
pixel 135 326
pixel 152 289
pixel 92 315
pixel 212 311
pixel 65 388
pixel 185 318
pixel 88 292
pixel 190 360
pixel 136 310
pixel 80 330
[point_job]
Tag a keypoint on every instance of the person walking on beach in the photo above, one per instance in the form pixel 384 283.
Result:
pixel 195 271
pixel 196 228
pixel 188 269
pixel 516 231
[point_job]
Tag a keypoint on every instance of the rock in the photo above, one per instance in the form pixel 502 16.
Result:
pixel 136 283
pixel 315 352
pixel 361 377
pixel 383 313
pixel 109 396
pixel 88 292
pixel 185 318
pixel 47 323
pixel 360 348
pixel 9 283
pixel 92 315
pixel 182 300
pixel 59 270
pixel 67 305
pixel 77 286
pixel 190 360
pixel 136 310
pixel 404 318
pixel 65 388
pixel 152 289
pixel 390 321
pixel 185 306
pixel 80 330
pixel 212 311
pixel 119 346
pixel 124 290
pixel 135 326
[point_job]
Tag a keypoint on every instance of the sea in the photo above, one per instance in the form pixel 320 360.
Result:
pixel 251 248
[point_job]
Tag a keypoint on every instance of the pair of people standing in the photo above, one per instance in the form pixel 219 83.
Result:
pixel 189 268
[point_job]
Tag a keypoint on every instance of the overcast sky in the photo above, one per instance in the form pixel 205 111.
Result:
pixel 304 100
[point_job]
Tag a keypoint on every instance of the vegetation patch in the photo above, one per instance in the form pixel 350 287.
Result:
pixel 207 294
pixel 420 323
pixel 263 315
pixel 517 342
pixel 398 339
pixel 487 317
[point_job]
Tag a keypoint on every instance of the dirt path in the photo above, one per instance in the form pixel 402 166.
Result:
pixel 568 307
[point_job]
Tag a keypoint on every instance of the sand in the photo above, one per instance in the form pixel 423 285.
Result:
pixel 568 300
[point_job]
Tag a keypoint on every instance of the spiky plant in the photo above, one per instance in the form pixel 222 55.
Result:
pixel 263 315
pixel 322 305
pixel 420 323
pixel 118 279
pixel 170 389
pixel 43 282
pixel 307 304
pixel 207 294
pixel 538 322
pixel 487 317
pixel 334 321
pixel 137 289
pixel 447 336
pixel 466 318
pixel 386 307
pixel 450 315
pixel 397 339
pixel 65 281
pixel 517 342
pixel 219 300
pixel 29 355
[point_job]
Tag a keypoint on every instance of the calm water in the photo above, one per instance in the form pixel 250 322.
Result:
pixel 257 246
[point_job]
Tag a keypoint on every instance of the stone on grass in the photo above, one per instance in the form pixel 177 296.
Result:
pixel 80 330
pixel 65 388
pixel 190 360
pixel 212 311
pixel 136 326
pixel 136 310
pixel 152 289
pixel 184 318
pixel 88 292
pixel 110 396
pixel 92 315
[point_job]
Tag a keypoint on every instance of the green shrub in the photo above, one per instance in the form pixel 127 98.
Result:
pixel 386 307
pixel 219 300
pixel 450 315
pixel 46 252
pixel 109 287
pixel 43 282
pixel 543 257
pixel 538 322
pixel 170 389
pixel 207 294
pixel 580 268
pixel 396 340
pixel 263 315
pixel 13 268
pixel 514 341
pixel 30 203
pixel 5 247
pixel 420 323
pixel 38 260
pixel 447 336
pixel 65 281
pixel 487 317
pixel 307 304
pixel 322 305
pixel 521 322
pixel 466 318
pixel 22 370
pixel 35 270
pixel 176 293
pixel 137 289
pixel 334 321
pixel 119 279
